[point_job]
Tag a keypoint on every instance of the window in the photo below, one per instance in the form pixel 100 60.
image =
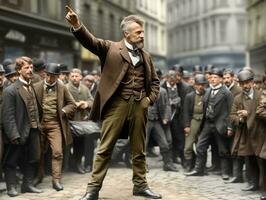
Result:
pixel 53 9
pixel 224 3
pixel 223 30
pixel 214 39
pixel 241 26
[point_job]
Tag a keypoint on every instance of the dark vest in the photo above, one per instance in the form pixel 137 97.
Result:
pixel 133 83
pixel 32 108
pixel 210 108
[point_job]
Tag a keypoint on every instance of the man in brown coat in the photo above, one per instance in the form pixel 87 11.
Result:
pixel 128 85
pixel 57 105
pixel 248 138
pixel 261 119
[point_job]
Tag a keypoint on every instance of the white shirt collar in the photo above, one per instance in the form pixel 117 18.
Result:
pixel 232 85
pixel 24 82
pixel 130 46
pixel 169 86
pixel 49 84
pixel 216 87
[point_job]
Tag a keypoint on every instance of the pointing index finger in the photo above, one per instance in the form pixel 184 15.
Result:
pixel 69 9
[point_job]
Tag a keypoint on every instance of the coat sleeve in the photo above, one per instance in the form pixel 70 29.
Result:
pixel 187 112
pixel 261 108
pixel 9 114
pixel 234 119
pixel 154 85
pixel 97 46
pixel 69 104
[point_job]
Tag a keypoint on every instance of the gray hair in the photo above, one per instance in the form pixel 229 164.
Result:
pixel 130 19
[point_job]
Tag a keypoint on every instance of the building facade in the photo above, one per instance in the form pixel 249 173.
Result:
pixel 257 35
pixel 207 32
pixel 36 29
pixel 154 13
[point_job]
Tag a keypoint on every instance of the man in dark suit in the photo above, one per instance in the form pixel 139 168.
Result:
pixel 128 85
pixel 21 129
pixel 57 106
pixel 217 103
pixel 236 162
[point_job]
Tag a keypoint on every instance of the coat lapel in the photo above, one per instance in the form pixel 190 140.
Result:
pixel 39 87
pixel 219 95
pixel 60 96
pixel 124 51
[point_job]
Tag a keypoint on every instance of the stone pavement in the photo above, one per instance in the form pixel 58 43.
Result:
pixel 118 186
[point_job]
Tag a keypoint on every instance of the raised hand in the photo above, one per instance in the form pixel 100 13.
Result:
pixel 72 17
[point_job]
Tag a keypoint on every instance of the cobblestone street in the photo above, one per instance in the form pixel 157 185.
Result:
pixel 118 186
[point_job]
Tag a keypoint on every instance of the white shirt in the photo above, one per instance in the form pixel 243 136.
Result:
pixel 134 59
pixel 215 89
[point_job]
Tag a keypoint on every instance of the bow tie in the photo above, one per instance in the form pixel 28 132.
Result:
pixel 50 88
pixel 134 52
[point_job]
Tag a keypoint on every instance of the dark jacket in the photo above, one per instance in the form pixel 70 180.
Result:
pixel 115 62
pixel 222 107
pixel 14 113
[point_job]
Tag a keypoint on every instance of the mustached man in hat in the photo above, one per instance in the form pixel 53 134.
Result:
pixel 57 106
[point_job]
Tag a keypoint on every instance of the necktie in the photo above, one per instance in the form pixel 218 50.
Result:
pixel 134 52
pixel 28 87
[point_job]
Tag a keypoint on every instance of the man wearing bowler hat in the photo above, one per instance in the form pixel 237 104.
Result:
pixel 217 103
pixel 128 86
pixel 193 115
pixel 57 106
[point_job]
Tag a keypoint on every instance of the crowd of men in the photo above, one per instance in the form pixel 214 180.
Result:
pixel 208 108
pixel 37 101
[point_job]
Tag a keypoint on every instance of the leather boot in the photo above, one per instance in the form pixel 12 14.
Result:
pixel 10 178
pixel 199 167
pixel 188 164
pixel 225 167
pixel 11 190
pixel 168 163
pixel 237 171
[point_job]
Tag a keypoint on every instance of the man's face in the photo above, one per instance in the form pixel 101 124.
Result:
pixel 199 87
pixel 26 71
pixel 50 78
pixel 12 78
pixel 215 80
pixel 88 81
pixel 135 35
pixel 246 85
pixel 228 79
pixel 75 78
pixel 41 73
pixel 171 80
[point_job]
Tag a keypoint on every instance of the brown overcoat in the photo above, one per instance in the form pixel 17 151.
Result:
pixel 65 102
pixel 248 138
pixel 115 61
pixel 261 114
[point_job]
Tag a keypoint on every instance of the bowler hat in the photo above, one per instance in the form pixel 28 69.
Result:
pixel 200 79
pixel 38 64
pixel 64 68
pixel 186 74
pixel 2 69
pixel 217 71
pixel 197 68
pixel 7 62
pixel 208 68
pixel 52 68
pixel 245 75
pixel 10 69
